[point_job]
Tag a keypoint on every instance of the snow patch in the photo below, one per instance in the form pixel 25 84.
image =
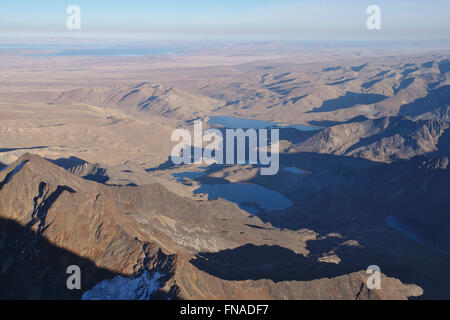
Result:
pixel 125 288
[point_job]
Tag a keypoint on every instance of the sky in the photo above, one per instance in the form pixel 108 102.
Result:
pixel 267 20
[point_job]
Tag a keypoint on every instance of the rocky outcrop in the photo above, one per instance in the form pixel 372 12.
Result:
pixel 384 139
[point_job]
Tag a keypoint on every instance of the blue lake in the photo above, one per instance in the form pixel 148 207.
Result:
pixel 238 123
pixel 241 123
pixel 243 194
pixel 188 174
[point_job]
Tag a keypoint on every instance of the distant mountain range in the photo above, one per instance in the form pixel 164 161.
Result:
pixel 145 97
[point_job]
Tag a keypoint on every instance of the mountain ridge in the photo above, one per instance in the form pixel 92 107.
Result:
pixel 108 222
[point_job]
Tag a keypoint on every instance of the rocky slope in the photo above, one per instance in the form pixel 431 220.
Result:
pixel 301 93
pixel 384 139
pixel 156 99
pixel 50 219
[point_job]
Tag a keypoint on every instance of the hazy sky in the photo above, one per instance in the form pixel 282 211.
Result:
pixel 228 20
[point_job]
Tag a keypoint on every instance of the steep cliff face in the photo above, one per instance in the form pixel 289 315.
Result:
pixel 146 242
pixel 384 139
pixel 79 219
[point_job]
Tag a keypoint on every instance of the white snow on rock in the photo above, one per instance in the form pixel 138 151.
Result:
pixel 125 288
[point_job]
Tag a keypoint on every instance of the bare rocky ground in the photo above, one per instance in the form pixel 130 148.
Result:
pixel 89 182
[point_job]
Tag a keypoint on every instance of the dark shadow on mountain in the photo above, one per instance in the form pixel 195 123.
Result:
pixel 258 227
pixel 381 74
pixel 350 185
pixel 331 69
pixel 434 85
pixel 353 197
pixel 405 83
pixel 98 177
pixel 435 99
pixel 68 163
pixel 358 68
pixel 284 91
pixel 443 144
pixel 97 174
pixel 428 64
pixel 281 75
pixel 168 164
pixel 357 119
pixel 33 268
pixel 15 149
pixel 39 212
pixel 324 123
pixel 296 99
pixel 339 82
pixel 251 262
pixel 350 99
pixel 444 66
pixel 281 82
pixel 329 123
pixel 408 71
pixel 10 174
pixel 369 84
pixel 264 67
pixel 295 136
pixel 2 166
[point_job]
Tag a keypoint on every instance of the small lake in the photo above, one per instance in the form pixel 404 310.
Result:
pixel 180 176
pixel 242 123
pixel 249 197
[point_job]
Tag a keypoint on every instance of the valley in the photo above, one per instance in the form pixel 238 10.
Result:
pixel 86 175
